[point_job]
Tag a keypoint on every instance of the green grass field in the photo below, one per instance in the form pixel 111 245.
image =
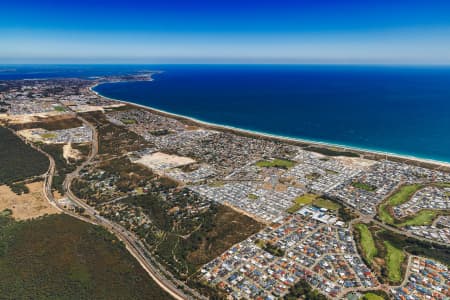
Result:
pixel 275 163
pixel 324 203
pixel 301 201
pixel 313 199
pixel 60 108
pixel 367 242
pixel 424 217
pixel 394 260
pixel 252 197
pixel 363 186
pixel 48 135
pixel 217 183
pixel 384 214
pixel 371 296
pixel 442 184
pixel 128 121
pixel 403 194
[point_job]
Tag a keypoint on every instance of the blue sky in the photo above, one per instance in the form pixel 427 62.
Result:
pixel 314 31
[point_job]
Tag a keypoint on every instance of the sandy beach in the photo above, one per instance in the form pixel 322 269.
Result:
pixel 366 153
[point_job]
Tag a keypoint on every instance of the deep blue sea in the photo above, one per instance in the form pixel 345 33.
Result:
pixel 404 110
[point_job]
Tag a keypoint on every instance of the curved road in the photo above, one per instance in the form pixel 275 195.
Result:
pixel 132 243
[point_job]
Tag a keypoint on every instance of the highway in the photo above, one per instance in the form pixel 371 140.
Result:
pixel 133 244
pixel 90 215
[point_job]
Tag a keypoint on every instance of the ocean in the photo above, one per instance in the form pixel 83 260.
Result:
pixel 402 110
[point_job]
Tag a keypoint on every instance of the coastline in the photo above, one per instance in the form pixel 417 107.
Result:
pixel 366 153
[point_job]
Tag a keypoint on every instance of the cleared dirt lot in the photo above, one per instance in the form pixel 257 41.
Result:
pixel 26 206
pixel 161 161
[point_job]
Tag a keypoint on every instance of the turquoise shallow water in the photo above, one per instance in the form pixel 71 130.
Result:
pixel 403 110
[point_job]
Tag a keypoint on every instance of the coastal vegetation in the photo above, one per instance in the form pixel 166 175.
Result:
pixel 18 160
pixel 331 152
pixel 59 257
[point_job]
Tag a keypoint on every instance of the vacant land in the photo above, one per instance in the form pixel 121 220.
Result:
pixel 229 228
pixel 275 163
pixel 70 153
pixel 159 161
pixel 113 139
pixel 184 244
pixel 19 161
pixel 367 242
pixel 58 257
pixel 62 166
pixel 57 122
pixel 127 177
pixel 222 228
pixel 26 206
pixel 394 260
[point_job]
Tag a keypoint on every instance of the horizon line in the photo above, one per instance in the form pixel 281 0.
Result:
pixel 230 63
